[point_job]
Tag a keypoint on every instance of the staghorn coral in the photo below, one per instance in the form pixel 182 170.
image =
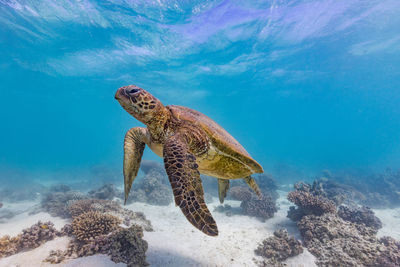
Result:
pixel 56 203
pixel 363 215
pixel 336 242
pixel 92 224
pixel 37 235
pixel 263 208
pixel 128 246
pixel 308 204
pixel 8 245
pixel 278 248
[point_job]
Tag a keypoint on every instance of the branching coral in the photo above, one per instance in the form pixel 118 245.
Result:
pixel 278 248
pixel 309 204
pixel 363 215
pixel 92 224
pixel 8 245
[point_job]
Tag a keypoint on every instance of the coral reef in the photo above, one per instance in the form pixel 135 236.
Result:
pixel 308 204
pixel 336 242
pixel 122 245
pixel 263 208
pixel 390 257
pixel 128 246
pixel 93 224
pixel 8 245
pixel 278 248
pixel 107 191
pixel 56 203
pixel 267 185
pixel 241 193
pixel 30 238
pixel 36 235
pixel 154 187
pixel 363 215
pixel 110 207
pixel 338 193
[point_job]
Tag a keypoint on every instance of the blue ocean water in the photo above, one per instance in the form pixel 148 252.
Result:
pixel 312 84
pixel 311 89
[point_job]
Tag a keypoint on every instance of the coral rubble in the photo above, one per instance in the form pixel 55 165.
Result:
pixel 278 248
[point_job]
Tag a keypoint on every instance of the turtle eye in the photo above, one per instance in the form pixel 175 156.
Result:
pixel 132 91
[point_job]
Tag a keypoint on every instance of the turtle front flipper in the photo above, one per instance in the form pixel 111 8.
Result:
pixel 223 186
pixel 184 177
pixel 134 145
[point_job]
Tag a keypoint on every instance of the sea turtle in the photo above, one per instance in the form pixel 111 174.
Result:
pixel 190 143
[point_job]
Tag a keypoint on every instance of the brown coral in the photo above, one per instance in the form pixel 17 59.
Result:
pixel 8 245
pixel 92 224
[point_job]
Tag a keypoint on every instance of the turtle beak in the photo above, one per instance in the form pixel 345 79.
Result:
pixel 120 93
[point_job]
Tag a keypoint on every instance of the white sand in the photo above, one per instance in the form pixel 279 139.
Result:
pixel 390 222
pixel 15 225
pixel 175 242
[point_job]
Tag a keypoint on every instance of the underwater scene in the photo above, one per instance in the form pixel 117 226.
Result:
pixel 199 133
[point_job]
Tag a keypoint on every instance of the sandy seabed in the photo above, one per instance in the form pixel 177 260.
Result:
pixel 175 242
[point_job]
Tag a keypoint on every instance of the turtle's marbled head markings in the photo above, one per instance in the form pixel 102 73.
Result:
pixel 139 103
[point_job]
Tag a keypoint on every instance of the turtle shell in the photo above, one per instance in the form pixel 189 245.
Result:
pixel 219 137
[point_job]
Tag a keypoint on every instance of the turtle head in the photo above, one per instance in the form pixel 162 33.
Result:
pixel 139 103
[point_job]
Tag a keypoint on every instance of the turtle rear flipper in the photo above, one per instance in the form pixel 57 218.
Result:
pixel 184 177
pixel 223 186
pixel 253 185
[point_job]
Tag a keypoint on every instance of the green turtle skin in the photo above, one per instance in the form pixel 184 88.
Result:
pixel 190 143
